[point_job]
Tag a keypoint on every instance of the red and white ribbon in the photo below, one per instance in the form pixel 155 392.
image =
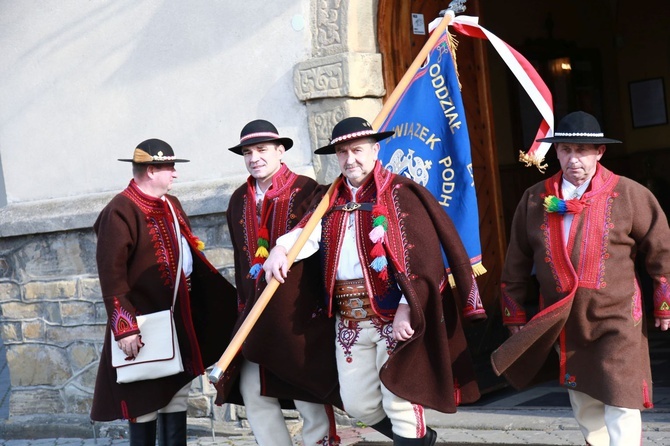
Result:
pixel 527 76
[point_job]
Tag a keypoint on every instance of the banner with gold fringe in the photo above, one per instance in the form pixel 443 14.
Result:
pixel 431 144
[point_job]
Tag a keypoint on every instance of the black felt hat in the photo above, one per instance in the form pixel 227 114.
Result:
pixel 259 131
pixel 579 128
pixel 350 129
pixel 154 151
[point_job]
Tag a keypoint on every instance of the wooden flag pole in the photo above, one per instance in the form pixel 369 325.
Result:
pixel 236 342
pixel 413 68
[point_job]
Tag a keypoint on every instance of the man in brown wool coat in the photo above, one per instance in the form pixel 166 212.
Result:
pixel 579 233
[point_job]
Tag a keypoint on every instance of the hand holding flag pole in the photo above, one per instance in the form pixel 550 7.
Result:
pixel 245 328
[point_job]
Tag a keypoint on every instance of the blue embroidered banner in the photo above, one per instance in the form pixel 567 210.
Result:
pixel 431 144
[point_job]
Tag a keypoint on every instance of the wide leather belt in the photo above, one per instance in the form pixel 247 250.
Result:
pixel 352 300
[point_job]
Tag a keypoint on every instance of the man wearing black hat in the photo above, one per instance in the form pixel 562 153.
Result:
pixel 399 342
pixel 145 250
pixel 579 233
pixel 287 355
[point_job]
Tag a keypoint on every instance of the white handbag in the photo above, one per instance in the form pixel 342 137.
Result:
pixel 160 355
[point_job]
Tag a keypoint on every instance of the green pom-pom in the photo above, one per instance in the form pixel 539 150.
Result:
pixel 380 221
pixel 552 203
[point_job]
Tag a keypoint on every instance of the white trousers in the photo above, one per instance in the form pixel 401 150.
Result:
pixel 267 420
pixel 362 349
pixel 604 425
pixel 178 403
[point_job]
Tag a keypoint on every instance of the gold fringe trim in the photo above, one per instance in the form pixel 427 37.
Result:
pixel 477 269
pixel 452 43
pixel 530 160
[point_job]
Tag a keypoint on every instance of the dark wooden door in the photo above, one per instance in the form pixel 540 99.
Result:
pixel 399 44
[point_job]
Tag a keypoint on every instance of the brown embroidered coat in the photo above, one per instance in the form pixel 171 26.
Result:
pixel 434 367
pixel 590 303
pixel 137 255
pixel 293 340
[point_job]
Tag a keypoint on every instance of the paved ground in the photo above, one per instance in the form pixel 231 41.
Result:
pixel 539 416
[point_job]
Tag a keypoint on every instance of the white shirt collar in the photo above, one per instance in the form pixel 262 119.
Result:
pixel 571 191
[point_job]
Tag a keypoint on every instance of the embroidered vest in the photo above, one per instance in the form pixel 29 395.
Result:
pixel 381 287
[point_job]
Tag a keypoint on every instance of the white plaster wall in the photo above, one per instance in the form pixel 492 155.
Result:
pixel 83 81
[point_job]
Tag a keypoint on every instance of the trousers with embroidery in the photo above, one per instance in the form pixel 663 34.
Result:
pixel 362 348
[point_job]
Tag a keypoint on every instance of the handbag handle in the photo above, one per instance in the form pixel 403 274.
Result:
pixel 179 246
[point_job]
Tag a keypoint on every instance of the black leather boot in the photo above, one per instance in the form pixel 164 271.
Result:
pixel 428 440
pixel 142 434
pixel 172 429
pixel 384 427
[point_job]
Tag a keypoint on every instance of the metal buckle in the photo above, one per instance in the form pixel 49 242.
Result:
pixel 351 206
pixel 355 302
pixel 358 313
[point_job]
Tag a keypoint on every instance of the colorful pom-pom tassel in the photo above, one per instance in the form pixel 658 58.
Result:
pixel 377 234
pixel 255 270
pixel 554 204
pixel 263 233
pixel 379 263
pixel 380 221
pixel 261 252
pixel 377 250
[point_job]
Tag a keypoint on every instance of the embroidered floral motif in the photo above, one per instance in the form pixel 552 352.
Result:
pixel 549 260
pixel 419 416
pixel 347 335
pixel 513 313
pixel 662 297
pixel 604 255
pixel 164 249
pixel 161 230
pixel 474 304
pixel 122 321
pixel 570 380
pixel 385 330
